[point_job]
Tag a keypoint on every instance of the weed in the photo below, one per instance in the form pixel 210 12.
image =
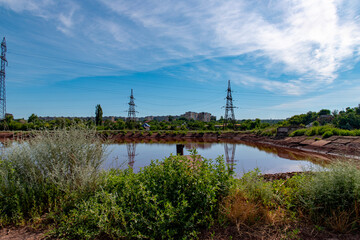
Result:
pixel 330 197
pixel 49 169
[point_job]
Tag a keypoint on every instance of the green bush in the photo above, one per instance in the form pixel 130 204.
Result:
pixel 271 131
pixel 312 131
pixel 327 134
pixel 316 124
pixel 172 199
pixel 299 132
pixel 288 191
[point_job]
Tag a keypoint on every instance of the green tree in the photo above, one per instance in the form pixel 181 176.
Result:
pixel 324 112
pixel 98 115
pixel 33 118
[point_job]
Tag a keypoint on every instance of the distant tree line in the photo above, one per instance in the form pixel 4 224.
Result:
pixel 180 124
pixel 347 119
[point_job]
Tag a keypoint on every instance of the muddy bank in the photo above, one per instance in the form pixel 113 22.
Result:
pixel 335 146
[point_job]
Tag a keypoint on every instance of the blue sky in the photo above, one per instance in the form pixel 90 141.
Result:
pixel 282 57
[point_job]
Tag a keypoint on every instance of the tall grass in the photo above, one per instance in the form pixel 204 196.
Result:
pixel 332 197
pixel 327 197
pixel 38 175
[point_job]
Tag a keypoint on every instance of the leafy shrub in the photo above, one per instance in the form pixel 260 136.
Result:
pixel 327 134
pixel 288 191
pixel 165 200
pixel 312 131
pixel 316 123
pixel 269 132
pixel 299 132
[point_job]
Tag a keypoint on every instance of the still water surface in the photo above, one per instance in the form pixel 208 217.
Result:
pixel 245 157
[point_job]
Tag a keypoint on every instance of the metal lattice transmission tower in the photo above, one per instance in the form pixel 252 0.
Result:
pixel 2 79
pixel 229 107
pixel 131 150
pixel 230 158
pixel 132 112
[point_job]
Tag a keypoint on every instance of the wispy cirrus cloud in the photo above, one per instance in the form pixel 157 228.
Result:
pixel 313 39
pixel 60 12
pixel 330 100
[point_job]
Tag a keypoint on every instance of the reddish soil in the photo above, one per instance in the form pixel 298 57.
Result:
pixel 20 233
pixel 292 147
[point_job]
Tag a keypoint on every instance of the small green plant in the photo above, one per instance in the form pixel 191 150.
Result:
pixel 327 134
pixel 299 132
pixel 312 131
pixel 316 123
pixel 255 188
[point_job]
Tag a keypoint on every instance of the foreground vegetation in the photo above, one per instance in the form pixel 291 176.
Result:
pixel 56 180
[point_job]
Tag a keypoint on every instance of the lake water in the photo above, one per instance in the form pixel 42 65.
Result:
pixel 245 157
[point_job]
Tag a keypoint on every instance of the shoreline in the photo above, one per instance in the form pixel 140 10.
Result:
pixel 329 148
pixel 326 149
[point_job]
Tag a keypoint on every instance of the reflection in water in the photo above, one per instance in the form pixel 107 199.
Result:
pixel 2 148
pixel 230 159
pixel 131 150
pixel 198 145
pixel 268 159
pixel 180 149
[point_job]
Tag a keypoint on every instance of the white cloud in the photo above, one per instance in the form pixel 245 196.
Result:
pixel 61 12
pixel 307 37
pixel 36 7
pixel 310 40
pixel 333 100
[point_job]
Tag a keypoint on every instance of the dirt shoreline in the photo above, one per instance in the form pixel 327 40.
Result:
pixel 335 146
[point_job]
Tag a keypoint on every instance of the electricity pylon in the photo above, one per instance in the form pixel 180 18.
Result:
pixel 131 111
pixel 229 107
pixel 2 79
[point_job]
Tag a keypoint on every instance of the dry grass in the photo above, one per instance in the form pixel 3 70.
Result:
pixel 237 208
pixel 340 221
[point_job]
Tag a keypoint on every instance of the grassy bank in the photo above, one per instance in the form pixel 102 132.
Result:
pixel 325 131
pixel 55 180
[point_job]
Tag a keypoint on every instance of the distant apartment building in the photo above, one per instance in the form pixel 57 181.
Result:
pixel 204 116
pixel 191 115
